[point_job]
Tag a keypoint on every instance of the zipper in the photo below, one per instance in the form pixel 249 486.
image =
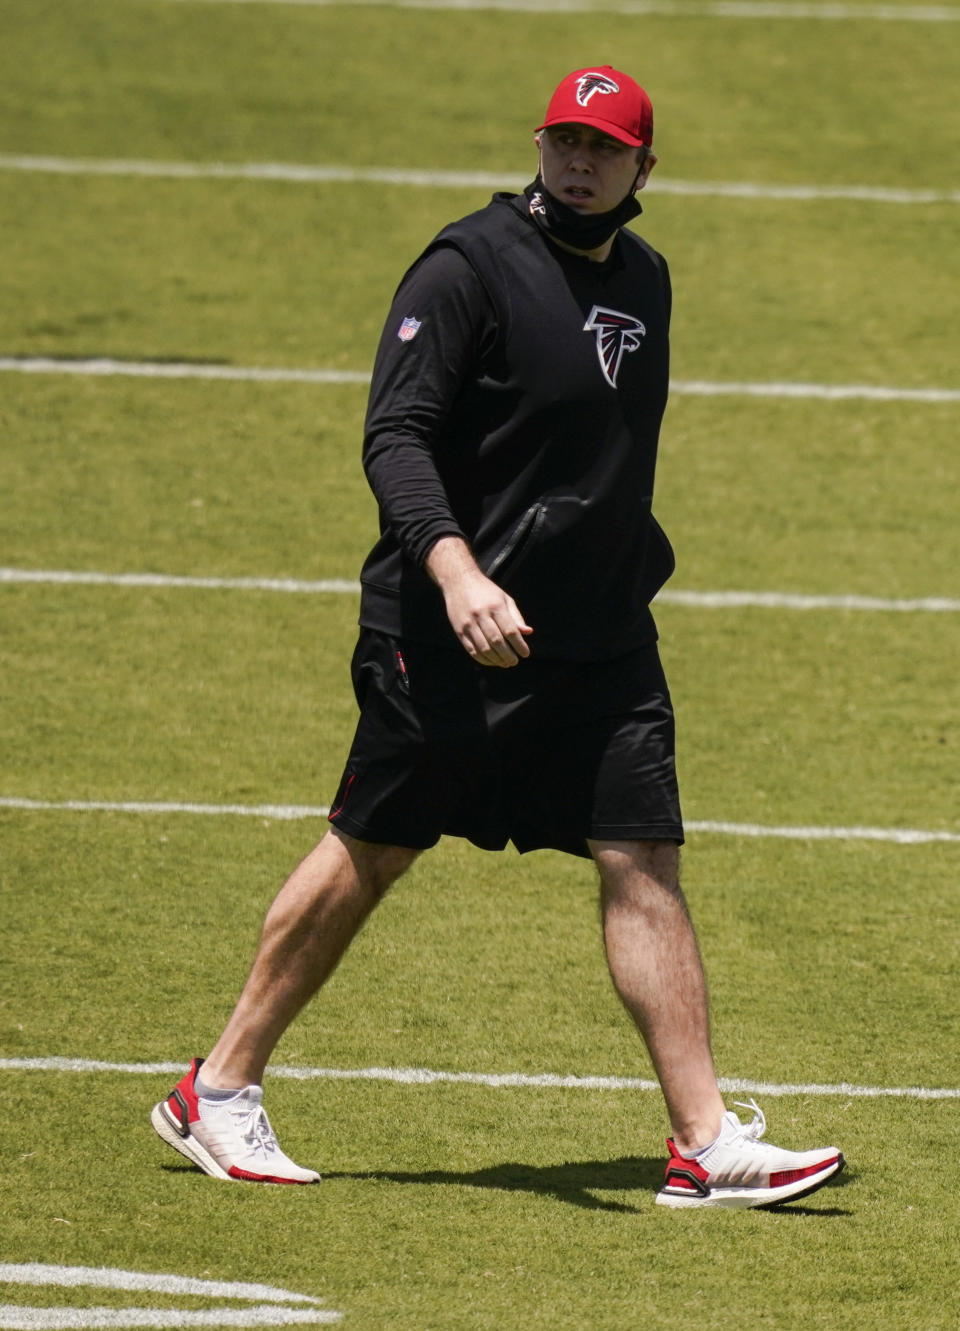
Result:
pixel 520 539
pixel 402 675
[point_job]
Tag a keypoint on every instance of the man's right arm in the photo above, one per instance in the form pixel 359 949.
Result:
pixel 435 334
pixel 432 341
pixel 487 622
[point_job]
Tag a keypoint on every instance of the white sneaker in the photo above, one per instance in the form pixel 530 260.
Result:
pixel 740 1170
pixel 228 1139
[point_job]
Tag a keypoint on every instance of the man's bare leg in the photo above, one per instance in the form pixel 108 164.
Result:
pixel 314 918
pixel 655 965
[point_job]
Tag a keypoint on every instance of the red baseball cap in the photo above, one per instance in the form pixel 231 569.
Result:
pixel 606 99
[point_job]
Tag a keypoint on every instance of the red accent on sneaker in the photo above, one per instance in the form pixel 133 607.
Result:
pixel 794 1175
pixel 236 1172
pixel 182 1100
pixel 682 1170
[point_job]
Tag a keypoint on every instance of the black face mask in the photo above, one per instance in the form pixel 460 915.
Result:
pixel 583 231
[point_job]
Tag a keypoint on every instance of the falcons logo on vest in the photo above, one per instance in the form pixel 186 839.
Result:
pixel 588 84
pixel 616 334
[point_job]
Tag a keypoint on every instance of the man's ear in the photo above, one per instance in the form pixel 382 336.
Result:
pixel 643 174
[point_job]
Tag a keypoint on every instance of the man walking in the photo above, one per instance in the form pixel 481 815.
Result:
pixel 507 670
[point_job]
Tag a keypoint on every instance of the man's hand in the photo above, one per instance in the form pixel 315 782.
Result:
pixel 485 619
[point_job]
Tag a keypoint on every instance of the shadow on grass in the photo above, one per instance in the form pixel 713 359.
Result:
pixel 575 1182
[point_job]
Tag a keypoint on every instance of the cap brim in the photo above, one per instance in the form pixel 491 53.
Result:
pixel 596 122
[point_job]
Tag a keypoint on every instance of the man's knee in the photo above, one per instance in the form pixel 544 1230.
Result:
pixel 376 866
pixel 659 860
pixel 629 869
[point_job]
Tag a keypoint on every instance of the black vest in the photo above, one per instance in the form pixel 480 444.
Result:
pixel 549 451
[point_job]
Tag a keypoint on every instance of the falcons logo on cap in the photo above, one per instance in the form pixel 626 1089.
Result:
pixel 616 334
pixel 588 84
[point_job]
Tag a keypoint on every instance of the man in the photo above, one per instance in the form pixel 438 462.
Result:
pixel 507 669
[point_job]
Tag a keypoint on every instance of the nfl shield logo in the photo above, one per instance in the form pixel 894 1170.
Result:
pixel 408 329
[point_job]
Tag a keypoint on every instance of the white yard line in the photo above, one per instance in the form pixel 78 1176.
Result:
pixel 903 836
pixel 103 1277
pixel 703 600
pixel 20 1317
pixel 735 9
pixel 428 178
pixel 275 812
pixel 103 366
pixel 797 601
pixel 823 392
pixel 268 1309
pixel 64 577
pixel 492 1080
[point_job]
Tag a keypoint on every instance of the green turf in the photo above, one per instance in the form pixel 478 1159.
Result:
pixel 126 475
pixel 370 85
pixel 126 936
pixel 516 1211
pixel 806 496
pixel 170 694
pixel 262 280
pixel 193 477
pixel 482 963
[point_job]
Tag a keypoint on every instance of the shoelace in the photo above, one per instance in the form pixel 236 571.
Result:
pixel 758 1126
pixel 254 1127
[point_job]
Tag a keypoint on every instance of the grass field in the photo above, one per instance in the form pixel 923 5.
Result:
pixel 450 1201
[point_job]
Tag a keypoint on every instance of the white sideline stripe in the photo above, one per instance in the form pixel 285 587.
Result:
pixel 705 600
pixel 435 178
pixel 493 1080
pixel 903 836
pixel 63 577
pixel 276 812
pixel 100 365
pixel 781 9
pixel 15 1317
pixel 179 370
pixel 826 392
pixel 797 601
pixel 105 1277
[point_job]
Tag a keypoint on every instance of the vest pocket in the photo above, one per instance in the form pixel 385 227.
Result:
pixel 519 543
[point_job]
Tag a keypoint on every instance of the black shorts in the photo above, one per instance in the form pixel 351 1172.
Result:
pixel 544 754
